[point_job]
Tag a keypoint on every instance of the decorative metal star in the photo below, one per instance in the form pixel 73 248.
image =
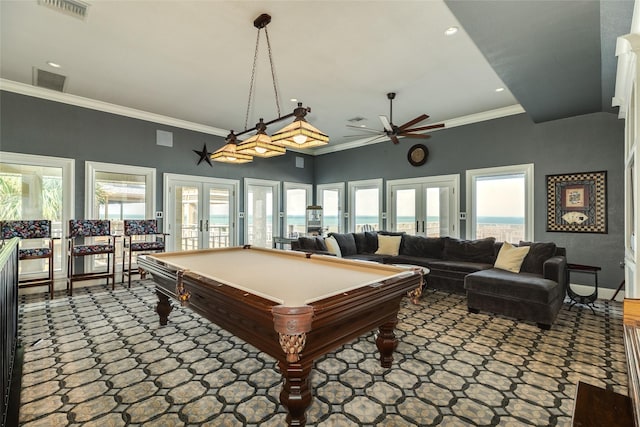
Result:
pixel 204 155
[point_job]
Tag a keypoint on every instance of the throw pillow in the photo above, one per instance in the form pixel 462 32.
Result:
pixel 388 245
pixel 538 254
pixel 510 257
pixel 332 246
pixel 347 243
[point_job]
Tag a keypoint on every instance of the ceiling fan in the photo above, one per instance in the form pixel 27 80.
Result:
pixel 392 131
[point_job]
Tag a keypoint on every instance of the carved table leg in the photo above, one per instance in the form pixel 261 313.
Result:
pixel 296 393
pixel 163 308
pixel 387 342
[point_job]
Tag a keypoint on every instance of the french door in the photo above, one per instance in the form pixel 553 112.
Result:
pixel 261 202
pixel 201 212
pixel 424 206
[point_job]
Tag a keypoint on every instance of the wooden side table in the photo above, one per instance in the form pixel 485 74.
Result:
pixel 576 298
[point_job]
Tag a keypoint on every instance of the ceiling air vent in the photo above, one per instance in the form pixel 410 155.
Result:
pixel 48 80
pixel 74 8
pixel 356 119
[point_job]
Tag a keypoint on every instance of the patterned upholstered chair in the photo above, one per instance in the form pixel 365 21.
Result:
pixel 40 246
pixel 91 238
pixel 140 236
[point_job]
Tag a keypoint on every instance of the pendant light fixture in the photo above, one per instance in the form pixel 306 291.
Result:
pixel 299 134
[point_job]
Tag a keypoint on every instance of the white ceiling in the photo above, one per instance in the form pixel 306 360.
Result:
pixel 191 60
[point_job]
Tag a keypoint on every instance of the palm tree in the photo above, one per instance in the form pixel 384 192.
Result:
pixel 10 197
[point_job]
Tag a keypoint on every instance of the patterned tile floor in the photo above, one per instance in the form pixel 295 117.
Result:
pixel 100 358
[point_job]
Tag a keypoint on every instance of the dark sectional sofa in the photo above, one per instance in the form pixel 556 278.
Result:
pixel 535 294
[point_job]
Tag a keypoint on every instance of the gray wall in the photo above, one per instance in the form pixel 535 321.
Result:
pixel 591 142
pixel 586 143
pixel 35 126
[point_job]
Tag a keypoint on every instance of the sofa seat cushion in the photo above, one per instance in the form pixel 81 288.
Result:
pixel 459 266
pixel 412 260
pixel 516 286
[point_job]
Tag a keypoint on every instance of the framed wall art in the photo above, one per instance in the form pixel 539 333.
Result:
pixel 577 202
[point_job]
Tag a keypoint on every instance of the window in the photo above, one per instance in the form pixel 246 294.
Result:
pixel 331 198
pixel 365 205
pixel 296 199
pixel 500 203
pixel 118 192
pixel 38 187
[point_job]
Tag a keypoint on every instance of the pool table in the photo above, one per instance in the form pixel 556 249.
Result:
pixel 293 306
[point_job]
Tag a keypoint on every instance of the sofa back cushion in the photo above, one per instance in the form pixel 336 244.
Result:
pixel 312 243
pixel 538 254
pixel 347 243
pixel 366 242
pixel 480 251
pixel 418 246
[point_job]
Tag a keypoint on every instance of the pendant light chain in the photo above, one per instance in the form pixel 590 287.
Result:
pixel 252 82
pixel 273 71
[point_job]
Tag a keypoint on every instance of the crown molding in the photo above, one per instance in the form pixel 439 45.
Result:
pixel 79 101
pixel 448 124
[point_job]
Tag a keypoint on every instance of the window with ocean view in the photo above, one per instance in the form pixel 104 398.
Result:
pixel 501 203
pixel 365 205
pixel 331 198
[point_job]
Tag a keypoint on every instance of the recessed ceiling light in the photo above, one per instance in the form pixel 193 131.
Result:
pixel 53 64
pixel 451 31
pixel 500 89
pixel 293 100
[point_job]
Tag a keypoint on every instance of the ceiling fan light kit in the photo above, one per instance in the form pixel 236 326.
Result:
pixel 299 134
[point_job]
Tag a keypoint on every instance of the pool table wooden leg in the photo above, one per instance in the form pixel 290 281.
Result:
pixel 296 393
pixel 163 308
pixel 387 342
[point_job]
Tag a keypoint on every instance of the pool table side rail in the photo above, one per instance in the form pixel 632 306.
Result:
pixel 336 320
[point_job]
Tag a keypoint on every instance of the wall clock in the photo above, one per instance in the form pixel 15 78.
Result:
pixel 418 155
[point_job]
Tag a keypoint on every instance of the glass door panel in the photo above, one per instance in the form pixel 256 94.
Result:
pixel 330 202
pixel 186 228
pixel 405 218
pixel 219 223
pixel 437 207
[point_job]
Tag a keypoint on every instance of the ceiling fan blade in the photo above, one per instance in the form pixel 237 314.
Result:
pixel 440 125
pixel 361 135
pixel 386 124
pixel 413 122
pixel 415 135
pixel 394 139
pixel 364 129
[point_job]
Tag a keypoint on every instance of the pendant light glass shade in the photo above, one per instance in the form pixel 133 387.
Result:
pixel 300 134
pixel 260 144
pixel 229 153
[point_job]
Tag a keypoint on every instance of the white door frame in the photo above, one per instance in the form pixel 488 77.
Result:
pixel 170 179
pixel 452 181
